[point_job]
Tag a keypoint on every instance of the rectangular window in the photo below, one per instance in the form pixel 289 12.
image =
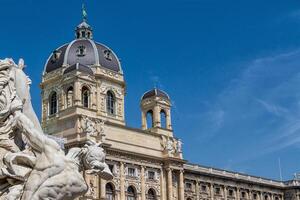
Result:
pixel 188 186
pixel 230 193
pixel 254 196
pixel 243 195
pixel 217 190
pixel 203 188
pixel 151 175
pixel 131 171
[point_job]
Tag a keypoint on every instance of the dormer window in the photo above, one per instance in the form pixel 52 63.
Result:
pixel 56 55
pixel 81 51
pixel 107 54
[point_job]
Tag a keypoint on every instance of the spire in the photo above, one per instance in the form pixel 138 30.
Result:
pixel 84 30
pixel 84 13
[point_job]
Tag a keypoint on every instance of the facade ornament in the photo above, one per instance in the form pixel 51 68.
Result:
pixel 32 164
pixel 179 146
pixel 92 188
pixel 93 128
pixel 168 145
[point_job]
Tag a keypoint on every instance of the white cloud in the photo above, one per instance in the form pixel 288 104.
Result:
pixel 260 106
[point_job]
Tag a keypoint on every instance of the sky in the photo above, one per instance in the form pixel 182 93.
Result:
pixel 231 68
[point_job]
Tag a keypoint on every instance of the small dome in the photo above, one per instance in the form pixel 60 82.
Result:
pixel 85 51
pixel 155 93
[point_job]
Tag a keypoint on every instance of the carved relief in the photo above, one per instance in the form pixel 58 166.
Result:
pixel 93 128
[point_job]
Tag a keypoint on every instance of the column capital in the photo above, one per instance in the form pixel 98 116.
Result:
pixel 169 169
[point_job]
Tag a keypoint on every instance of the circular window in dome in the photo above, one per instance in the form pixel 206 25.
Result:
pixel 81 51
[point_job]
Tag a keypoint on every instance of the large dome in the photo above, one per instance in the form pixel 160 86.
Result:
pixel 85 51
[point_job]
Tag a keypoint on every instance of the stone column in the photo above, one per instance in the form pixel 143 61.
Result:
pixel 162 185
pixel 168 119
pixel 144 120
pixel 181 185
pixel 143 187
pixel 93 98
pixel 197 190
pixel 261 195
pixel 212 191
pixel 238 193
pixel 122 181
pixel 98 99
pixel 77 94
pixel 156 116
pixel 225 193
pixel 102 189
pixel 170 184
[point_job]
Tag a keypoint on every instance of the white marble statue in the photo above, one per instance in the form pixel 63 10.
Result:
pixel 32 165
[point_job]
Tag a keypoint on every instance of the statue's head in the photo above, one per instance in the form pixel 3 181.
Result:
pixel 94 160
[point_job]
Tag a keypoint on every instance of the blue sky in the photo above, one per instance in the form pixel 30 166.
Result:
pixel 232 68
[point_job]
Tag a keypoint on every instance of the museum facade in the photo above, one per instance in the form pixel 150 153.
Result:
pixel 83 91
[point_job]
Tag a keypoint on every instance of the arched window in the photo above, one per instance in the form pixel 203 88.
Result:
pixel 163 117
pixel 149 118
pixel 266 197
pixel 151 195
pixel 110 103
pixel 131 195
pixel 52 103
pixel 109 191
pixel 85 97
pixel 69 99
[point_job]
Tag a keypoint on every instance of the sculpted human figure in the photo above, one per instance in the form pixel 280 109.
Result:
pixel 33 165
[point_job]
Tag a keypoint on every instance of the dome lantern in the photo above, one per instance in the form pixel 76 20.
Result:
pixel 84 30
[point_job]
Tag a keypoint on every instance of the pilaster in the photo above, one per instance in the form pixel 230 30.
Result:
pixel 102 190
pixel 162 184
pixel 170 184
pixel 211 191
pixel 122 181
pixel 143 189
pixel 181 185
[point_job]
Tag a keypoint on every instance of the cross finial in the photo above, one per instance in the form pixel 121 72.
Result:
pixel 84 13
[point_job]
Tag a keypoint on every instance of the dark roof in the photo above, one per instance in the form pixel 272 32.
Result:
pixel 155 92
pixel 79 67
pixel 94 54
pixel 53 64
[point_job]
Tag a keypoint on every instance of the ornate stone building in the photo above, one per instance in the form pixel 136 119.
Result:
pixel 83 91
